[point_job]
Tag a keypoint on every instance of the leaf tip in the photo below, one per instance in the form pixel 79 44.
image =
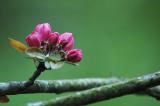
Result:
pixel 17 45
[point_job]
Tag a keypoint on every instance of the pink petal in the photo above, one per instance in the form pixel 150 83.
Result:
pixel 74 55
pixel 67 41
pixel 53 40
pixel 44 31
pixel 32 40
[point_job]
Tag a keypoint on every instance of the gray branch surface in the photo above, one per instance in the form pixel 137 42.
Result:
pixel 54 86
pixel 106 92
pixel 62 86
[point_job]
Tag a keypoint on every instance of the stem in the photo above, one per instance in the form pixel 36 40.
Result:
pixel 35 75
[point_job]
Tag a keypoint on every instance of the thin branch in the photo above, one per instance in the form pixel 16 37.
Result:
pixel 25 85
pixel 153 92
pixel 105 92
pixel 35 75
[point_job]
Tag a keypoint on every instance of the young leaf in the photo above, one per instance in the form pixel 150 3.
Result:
pixel 17 45
pixel 35 53
pixel 4 99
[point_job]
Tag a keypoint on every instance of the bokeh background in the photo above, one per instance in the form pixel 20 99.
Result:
pixel 118 38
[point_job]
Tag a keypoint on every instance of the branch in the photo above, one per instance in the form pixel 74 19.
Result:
pixel 153 92
pixel 35 75
pixel 54 86
pixel 30 82
pixel 105 92
pixel 62 86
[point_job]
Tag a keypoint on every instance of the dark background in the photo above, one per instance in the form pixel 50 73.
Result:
pixel 118 38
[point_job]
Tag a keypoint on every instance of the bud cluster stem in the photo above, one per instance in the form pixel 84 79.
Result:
pixel 35 75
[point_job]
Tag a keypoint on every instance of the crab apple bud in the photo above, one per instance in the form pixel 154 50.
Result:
pixel 44 31
pixel 53 40
pixel 66 40
pixel 32 40
pixel 74 55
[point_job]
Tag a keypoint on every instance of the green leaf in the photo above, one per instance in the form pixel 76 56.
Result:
pixel 35 53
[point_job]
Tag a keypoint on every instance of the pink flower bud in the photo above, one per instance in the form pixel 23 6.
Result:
pixel 66 40
pixel 74 55
pixel 33 40
pixel 53 40
pixel 44 31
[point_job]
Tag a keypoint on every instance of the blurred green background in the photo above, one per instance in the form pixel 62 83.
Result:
pixel 118 38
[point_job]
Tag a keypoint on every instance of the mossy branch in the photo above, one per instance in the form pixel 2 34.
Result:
pixel 105 92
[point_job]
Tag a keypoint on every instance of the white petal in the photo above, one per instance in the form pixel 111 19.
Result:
pixel 35 53
pixel 56 65
pixel 47 65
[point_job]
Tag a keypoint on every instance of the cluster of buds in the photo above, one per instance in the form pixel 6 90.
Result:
pixel 48 49
pixel 51 48
pixel 57 48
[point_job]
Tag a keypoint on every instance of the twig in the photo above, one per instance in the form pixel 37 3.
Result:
pixel 153 92
pixel 27 84
pixel 105 92
pixel 35 75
